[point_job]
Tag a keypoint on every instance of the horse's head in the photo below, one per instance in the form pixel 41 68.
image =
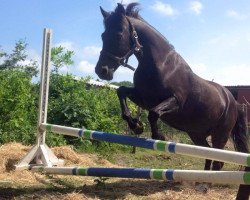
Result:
pixel 118 41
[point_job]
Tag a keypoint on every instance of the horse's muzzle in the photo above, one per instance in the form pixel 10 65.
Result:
pixel 104 72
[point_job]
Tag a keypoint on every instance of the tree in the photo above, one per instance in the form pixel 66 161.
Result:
pixel 18 60
pixel 60 57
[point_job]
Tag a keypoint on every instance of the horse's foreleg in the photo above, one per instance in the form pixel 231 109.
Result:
pixel 168 106
pixel 126 92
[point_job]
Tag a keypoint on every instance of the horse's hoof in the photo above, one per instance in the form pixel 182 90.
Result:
pixel 138 129
pixel 202 187
pixel 136 126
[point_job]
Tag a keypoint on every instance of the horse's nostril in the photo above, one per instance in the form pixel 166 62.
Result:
pixel 104 70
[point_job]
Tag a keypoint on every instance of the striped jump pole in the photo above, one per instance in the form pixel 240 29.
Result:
pixel 171 147
pixel 222 177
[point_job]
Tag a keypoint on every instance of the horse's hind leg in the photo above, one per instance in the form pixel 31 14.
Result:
pixel 219 140
pixel 153 118
pixel 122 93
pixel 201 141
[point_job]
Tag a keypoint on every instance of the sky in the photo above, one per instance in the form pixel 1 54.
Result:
pixel 212 36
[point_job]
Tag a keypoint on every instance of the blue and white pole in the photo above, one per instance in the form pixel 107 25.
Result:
pixel 171 147
pixel 222 177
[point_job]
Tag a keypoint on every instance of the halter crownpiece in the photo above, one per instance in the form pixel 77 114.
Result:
pixel 136 49
pixel 137 46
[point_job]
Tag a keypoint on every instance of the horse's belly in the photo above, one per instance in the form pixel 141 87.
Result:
pixel 188 124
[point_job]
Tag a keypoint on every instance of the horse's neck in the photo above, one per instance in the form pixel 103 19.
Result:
pixel 155 46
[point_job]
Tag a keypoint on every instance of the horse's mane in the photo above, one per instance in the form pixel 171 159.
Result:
pixel 132 10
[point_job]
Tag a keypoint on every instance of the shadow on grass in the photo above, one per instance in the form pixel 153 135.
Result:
pixel 115 190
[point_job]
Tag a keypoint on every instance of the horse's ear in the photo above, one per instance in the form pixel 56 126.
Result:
pixel 120 9
pixel 105 14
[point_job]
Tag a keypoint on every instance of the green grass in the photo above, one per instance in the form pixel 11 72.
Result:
pixel 152 159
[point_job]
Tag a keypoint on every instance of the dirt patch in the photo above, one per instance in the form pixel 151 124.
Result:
pixel 28 185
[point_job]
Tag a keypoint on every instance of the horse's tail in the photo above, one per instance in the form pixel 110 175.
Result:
pixel 240 139
pixel 240 132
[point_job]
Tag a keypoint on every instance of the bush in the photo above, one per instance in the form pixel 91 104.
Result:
pixel 17 107
pixel 71 103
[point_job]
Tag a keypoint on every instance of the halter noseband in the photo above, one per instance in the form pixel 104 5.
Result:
pixel 136 49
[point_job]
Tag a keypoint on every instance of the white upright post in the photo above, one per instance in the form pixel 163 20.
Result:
pixel 40 154
pixel 44 84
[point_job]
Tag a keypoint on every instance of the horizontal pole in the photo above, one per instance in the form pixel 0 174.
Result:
pixel 222 177
pixel 171 147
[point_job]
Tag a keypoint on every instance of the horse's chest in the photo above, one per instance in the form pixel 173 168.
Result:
pixel 150 90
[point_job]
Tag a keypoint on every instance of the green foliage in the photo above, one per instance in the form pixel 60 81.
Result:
pixel 18 60
pixel 73 104
pixel 53 139
pixel 61 57
pixel 17 107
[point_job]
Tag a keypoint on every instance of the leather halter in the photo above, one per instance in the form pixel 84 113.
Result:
pixel 136 49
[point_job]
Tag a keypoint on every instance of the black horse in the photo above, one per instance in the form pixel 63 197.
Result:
pixel 165 85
